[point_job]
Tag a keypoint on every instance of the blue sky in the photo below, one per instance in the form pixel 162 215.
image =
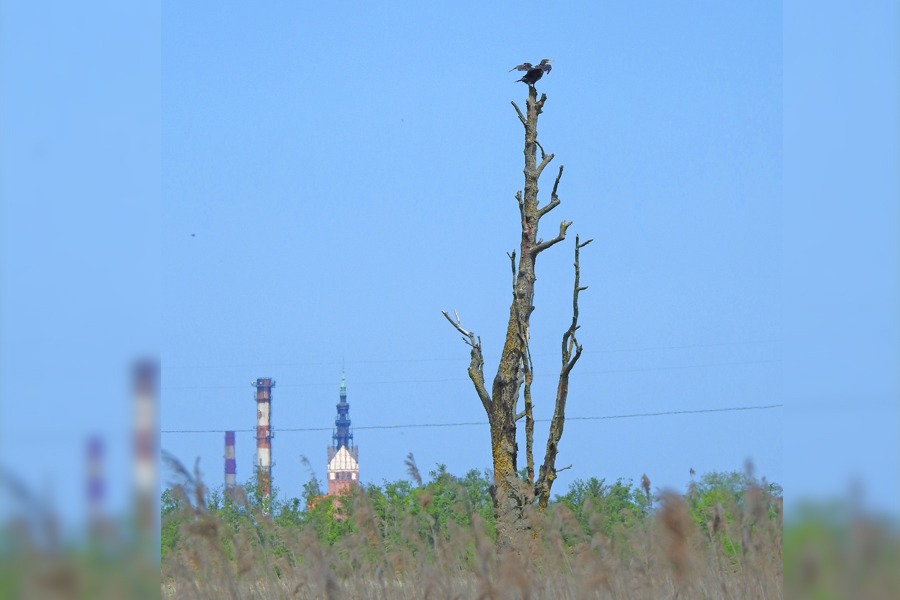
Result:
pixel 80 285
pixel 348 173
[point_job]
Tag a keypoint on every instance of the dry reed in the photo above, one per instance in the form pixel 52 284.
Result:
pixel 734 553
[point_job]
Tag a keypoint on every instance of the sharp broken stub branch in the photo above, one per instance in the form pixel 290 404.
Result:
pixel 467 334
pixel 554 202
pixel 519 112
pixel 540 247
pixel 539 105
pixel 554 199
pixel 545 160
pixel 522 210
pixel 556 183
pixel 512 263
pixel 476 364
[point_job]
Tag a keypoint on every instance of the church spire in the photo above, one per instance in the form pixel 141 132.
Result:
pixel 343 456
pixel 342 435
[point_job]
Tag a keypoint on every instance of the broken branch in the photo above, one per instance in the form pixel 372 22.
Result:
pixel 556 183
pixel 554 202
pixel 554 199
pixel 540 247
pixel 519 112
pixel 545 160
pixel 476 364
pixel 539 105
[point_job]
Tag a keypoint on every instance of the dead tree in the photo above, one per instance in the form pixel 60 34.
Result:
pixel 512 496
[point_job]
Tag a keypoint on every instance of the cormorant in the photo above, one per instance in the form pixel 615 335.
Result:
pixel 532 73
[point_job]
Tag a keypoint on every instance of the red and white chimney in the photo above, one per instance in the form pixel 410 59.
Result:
pixel 264 434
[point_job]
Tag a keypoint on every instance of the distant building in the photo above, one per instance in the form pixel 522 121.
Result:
pixel 343 456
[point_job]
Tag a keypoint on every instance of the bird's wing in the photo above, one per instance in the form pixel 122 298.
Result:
pixel 522 67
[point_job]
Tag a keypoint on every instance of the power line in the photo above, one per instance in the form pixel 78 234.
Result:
pixel 474 423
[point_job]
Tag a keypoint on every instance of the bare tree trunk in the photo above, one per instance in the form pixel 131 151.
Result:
pixel 511 495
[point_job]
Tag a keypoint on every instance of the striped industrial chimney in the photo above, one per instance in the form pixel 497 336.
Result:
pixel 230 467
pixel 95 484
pixel 146 445
pixel 264 435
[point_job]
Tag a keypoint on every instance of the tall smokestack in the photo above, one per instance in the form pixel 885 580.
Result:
pixel 146 443
pixel 230 467
pixel 264 435
pixel 95 484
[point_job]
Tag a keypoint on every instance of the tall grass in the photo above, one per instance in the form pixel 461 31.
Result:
pixel 438 542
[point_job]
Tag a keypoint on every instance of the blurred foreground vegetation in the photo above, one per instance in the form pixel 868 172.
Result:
pixel 721 538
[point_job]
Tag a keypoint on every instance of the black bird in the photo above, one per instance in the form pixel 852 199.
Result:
pixel 532 73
